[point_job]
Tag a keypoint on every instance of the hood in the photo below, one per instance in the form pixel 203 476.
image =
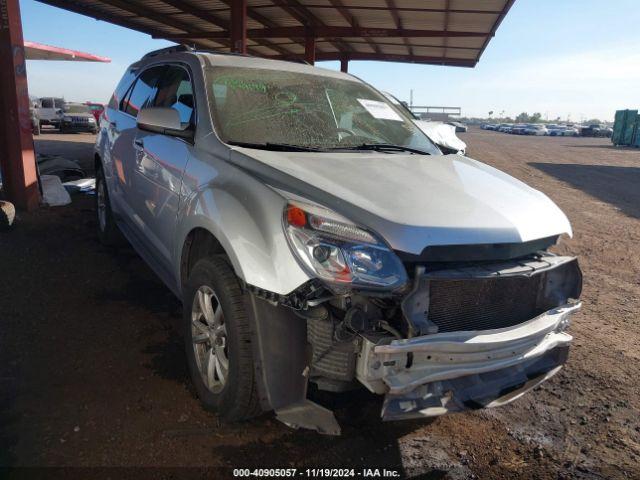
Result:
pixel 414 201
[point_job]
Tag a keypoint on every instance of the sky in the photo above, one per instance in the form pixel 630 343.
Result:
pixel 575 59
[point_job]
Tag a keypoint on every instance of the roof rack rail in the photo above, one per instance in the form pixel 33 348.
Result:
pixel 219 52
pixel 167 50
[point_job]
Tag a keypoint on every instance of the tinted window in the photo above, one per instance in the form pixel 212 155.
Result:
pixel 175 91
pixel 121 89
pixel 47 102
pixel 143 91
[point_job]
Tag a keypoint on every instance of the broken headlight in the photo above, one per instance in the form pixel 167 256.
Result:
pixel 336 250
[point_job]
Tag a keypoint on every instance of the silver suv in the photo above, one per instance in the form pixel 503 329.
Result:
pixel 317 237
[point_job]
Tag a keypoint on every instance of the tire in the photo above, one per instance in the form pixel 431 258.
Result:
pixel 213 282
pixel 7 215
pixel 108 232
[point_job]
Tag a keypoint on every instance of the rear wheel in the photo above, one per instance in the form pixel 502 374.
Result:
pixel 218 341
pixel 108 232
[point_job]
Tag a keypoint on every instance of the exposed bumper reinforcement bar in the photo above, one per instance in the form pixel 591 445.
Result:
pixel 460 369
pixel 485 390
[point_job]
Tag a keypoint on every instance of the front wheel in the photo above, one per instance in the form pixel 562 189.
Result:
pixel 218 341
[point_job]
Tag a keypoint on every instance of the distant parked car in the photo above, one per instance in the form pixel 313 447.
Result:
pixel 460 127
pixel 77 117
pixel 505 127
pixel 571 132
pixel 442 134
pixel 556 130
pixel 49 110
pixel 536 129
pixel 35 121
pixel 596 130
pixel 518 129
pixel 96 110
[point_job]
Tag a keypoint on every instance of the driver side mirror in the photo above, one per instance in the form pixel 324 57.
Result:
pixel 163 120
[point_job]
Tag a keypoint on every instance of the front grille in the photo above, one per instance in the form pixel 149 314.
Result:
pixel 468 299
pixel 80 119
pixel 483 304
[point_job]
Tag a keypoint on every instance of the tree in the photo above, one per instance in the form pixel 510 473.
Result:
pixel 524 117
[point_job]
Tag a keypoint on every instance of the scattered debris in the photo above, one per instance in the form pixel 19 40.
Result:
pixel 83 185
pixel 61 167
pixel 53 193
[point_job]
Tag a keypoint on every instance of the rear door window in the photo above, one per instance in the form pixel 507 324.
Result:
pixel 143 91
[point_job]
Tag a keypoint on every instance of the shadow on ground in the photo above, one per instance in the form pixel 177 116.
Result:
pixel 616 185
pixel 74 146
pixel 606 146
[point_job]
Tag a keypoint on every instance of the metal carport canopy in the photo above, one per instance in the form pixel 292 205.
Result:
pixel 439 32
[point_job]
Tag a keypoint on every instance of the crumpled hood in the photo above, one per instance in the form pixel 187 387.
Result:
pixel 415 201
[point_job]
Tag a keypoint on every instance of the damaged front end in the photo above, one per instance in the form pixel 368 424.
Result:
pixel 462 330
pixel 462 336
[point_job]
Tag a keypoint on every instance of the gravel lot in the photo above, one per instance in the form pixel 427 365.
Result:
pixel 92 372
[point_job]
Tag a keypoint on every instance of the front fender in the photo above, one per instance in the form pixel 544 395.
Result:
pixel 245 216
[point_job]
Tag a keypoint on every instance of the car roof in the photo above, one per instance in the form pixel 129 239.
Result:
pixel 221 59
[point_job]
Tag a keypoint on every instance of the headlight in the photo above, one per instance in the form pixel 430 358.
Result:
pixel 92 120
pixel 340 252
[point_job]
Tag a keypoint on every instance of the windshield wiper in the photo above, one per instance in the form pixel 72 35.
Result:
pixel 382 147
pixel 277 147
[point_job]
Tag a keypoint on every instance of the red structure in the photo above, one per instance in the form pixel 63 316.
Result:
pixel 39 51
pixel 17 157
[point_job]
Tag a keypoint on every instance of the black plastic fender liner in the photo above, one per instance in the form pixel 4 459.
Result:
pixel 279 340
pixel 279 343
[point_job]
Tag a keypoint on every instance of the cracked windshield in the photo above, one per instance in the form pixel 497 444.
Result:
pixel 261 108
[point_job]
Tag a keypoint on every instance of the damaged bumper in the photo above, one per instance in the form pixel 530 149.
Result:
pixel 447 372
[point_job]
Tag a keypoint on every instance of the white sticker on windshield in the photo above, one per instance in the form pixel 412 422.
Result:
pixel 380 110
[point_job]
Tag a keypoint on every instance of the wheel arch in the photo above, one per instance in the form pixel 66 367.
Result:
pixel 199 243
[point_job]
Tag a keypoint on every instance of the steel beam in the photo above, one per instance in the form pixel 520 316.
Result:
pixel 501 16
pixel 310 50
pixel 346 57
pixel 239 26
pixel 336 32
pixel 391 5
pixel 17 157
pixel 267 23
pixel 378 8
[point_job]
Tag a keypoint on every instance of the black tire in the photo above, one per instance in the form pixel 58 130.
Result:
pixel 108 231
pixel 238 397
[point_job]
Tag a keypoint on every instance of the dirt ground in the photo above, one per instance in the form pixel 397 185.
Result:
pixel 92 373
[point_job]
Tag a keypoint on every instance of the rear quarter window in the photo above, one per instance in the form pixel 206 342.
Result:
pixel 121 89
